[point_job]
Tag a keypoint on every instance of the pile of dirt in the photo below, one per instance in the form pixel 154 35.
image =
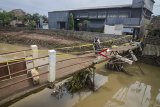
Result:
pixel 52 39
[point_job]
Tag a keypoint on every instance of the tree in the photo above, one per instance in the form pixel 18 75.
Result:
pixel 83 26
pixel 45 19
pixel 31 25
pixel 6 18
pixel 28 17
pixel 154 27
pixel 36 17
pixel 71 22
pixel 20 16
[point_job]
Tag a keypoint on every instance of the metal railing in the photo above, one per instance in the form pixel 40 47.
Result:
pixel 52 66
pixel 15 52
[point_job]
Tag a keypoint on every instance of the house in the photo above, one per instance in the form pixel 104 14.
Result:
pixel 130 18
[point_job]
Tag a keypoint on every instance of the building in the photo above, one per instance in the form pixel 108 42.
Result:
pixel 130 18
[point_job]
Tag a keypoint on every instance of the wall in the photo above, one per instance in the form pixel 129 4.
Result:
pixel 97 17
pixel 152 46
pixel 136 13
pixel 144 24
pixel 115 30
pixel 110 16
pixel 96 23
pixel 143 3
pixel 55 17
pixel 124 21
pixel 109 29
pixel 102 13
pixel 153 40
pixel 149 4
pixel 151 51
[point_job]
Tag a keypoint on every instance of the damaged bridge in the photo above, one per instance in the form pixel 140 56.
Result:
pixel 18 76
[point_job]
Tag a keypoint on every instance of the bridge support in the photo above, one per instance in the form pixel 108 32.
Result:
pixel 52 66
pixel 92 69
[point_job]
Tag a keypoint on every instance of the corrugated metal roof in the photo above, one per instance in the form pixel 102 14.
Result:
pixel 98 7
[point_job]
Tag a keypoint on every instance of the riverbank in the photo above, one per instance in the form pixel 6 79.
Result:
pixel 77 41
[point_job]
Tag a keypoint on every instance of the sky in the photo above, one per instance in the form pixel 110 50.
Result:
pixel 44 6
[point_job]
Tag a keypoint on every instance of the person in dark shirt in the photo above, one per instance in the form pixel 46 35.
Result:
pixel 96 45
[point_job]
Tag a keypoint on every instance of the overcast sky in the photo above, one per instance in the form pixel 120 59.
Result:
pixel 45 6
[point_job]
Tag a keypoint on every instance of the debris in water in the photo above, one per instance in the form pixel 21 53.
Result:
pixel 79 81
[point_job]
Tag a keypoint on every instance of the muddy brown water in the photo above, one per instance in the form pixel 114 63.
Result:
pixel 122 90
pixel 5 48
pixel 139 89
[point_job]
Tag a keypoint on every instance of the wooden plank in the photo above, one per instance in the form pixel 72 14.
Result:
pixel 4 71
pixel 17 67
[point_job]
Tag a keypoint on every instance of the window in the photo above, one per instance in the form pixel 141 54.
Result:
pixel 112 15
pixel 93 15
pixel 101 15
pixel 83 15
pixel 123 15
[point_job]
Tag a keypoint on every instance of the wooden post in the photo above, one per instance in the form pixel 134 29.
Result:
pixel 93 79
pixel 158 50
pixel 9 72
pixel 52 66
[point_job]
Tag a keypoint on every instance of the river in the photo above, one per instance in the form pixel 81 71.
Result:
pixel 139 89
pixel 6 48
pixel 122 90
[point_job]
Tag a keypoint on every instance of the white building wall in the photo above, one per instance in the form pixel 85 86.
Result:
pixel 116 29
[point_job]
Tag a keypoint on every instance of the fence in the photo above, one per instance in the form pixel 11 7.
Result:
pixel 11 67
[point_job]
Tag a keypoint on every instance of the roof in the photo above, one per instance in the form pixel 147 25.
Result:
pixel 153 1
pixel 98 7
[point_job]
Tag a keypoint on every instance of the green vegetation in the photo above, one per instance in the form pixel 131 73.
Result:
pixel 71 22
pixel 5 18
pixel 31 25
pixel 100 30
pixel 154 26
pixel 18 17
pixel 80 81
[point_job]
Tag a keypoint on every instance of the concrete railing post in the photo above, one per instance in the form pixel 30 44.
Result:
pixel 34 53
pixel 52 66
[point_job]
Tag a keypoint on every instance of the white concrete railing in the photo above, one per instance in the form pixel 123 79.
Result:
pixel 52 66
pixel 51 60
pixel 35 61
